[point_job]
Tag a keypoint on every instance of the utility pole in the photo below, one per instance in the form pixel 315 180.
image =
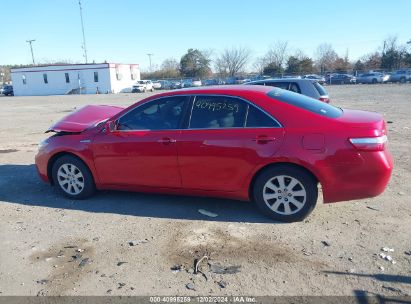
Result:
pixel 149 58
pixel 31 48
pixel 82 29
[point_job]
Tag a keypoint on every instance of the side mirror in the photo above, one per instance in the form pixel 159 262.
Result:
pixel 111 126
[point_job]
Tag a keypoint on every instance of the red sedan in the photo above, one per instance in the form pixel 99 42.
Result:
pixel 257 143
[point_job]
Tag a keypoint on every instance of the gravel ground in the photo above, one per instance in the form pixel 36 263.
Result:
pixel 54 246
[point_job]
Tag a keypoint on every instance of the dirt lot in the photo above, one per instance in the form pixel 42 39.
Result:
pixel 54 246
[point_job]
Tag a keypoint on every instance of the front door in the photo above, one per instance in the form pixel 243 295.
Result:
pixel 142 151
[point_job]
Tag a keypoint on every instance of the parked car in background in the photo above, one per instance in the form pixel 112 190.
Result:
pixel 214 81
pixel 197 82
pixel 374 77
pixel 187 83
pixel 142 86
pixel 156 85
pixel 176 85
pixel 401 76
pixel 318 78
pixel 257 143
pixel 307 87
pixel 340 79
pixel 7 90
pixel 165 84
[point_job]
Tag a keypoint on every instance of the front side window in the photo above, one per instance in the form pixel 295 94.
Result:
pixel 95 76
pixel 45 78
pixel 215 112
pixel 161 114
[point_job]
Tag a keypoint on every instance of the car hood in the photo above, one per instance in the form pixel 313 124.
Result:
pixel 84 118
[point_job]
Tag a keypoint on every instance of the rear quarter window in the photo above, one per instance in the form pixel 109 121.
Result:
pixel 306 103
pixel 320 89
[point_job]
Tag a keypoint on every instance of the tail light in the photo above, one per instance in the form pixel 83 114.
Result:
pixel 369 143
pixel 324 99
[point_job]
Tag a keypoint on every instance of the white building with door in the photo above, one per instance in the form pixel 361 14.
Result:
pixel 74 79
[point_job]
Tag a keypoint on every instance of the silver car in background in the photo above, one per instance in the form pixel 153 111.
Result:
pixel 401 76
pixel 371 78
pixel 308 87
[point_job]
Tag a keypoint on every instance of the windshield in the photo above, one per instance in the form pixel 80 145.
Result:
pixel 306 103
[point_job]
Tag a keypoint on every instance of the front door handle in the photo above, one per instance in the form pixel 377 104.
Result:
pixel 263 139
pixel 167 140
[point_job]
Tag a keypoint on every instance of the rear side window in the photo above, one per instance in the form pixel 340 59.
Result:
pixel 320 89
pixel 258 119
pixel 281 85
pixel 294 87
pixel 216 112
pixel 306 103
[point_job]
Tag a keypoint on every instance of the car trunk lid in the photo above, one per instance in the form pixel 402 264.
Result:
pixel 367 130
pixel 84 118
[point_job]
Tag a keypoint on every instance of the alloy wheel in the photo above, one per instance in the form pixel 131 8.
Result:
pixel 284 194
pixel 70 179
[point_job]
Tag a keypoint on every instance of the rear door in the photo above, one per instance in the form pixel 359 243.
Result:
pixel 227 137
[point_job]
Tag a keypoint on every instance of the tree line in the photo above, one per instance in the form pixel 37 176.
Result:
pixel 280 59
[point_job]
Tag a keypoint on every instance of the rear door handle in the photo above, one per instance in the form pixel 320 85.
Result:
pixel 167 140
pixel 263 139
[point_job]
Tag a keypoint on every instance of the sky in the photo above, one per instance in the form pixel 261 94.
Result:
pixel 125 31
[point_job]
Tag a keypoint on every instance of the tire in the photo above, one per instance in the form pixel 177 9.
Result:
pixel 342 82
pixel 374 81
pixel 403 80
pixel 266 192
pixel 152 89
pixel 63 171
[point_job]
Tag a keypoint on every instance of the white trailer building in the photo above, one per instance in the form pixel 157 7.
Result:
pixel 74 79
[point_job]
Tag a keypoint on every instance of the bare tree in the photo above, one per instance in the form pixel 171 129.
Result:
pixel 232 61
pixel 277 54
pixel 169 64
pixel 259 64
pixel 325 57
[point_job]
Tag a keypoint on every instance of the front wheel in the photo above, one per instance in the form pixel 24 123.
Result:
pixel 285 193
pixel 72 177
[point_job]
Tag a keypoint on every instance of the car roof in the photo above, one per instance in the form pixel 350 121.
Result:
pixel 223 90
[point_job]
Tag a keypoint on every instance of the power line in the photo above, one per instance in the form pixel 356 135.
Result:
pixel 82 29
pixel 31 48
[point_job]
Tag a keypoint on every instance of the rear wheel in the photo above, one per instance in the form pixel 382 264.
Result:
pixel 402 80
pixel 285 193
pixel 72 178
pixel 374 81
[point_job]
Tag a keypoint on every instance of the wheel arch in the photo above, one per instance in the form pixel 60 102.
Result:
pixel 274 165
pixel 56 156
